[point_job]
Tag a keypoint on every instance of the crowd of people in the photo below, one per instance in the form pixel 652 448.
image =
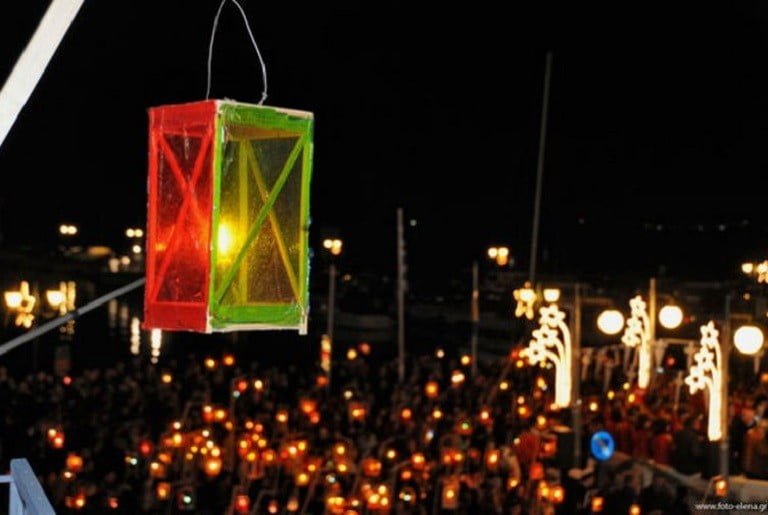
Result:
pixel 211 434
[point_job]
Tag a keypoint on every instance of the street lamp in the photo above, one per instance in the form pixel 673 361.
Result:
pixel 759 270
pixel 671 316
pixel 748 339
pixel 610 322
pixel 499 254
pixel 67 230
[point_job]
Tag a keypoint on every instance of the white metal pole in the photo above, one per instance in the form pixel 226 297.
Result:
pixel 400 297
pixel 33 61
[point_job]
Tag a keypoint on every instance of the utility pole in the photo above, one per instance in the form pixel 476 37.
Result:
pixel 575 374
pixel 401 285
pixel 475 314
pixel 540 171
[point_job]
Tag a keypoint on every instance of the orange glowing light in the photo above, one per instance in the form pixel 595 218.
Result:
pixel 156 470
pixel 536 471
pixel 242 504
pixel 634 509
pixel 391 454
pixel 163 491
pixel 492 459
pixel 406 475
pixel 302 479
pixel 406 414
pixel 418 461
pixel 597 504
pixel 437 414
pixel 512 483
pixel 113 503
pixel 457 377
pixel 340 449
pixel 308 406
pixel 365 348
pixel 371 467
pixel 166 378
pixel 228 360
pixel 466 360
pixel 431 389
pixel 177 439
pixel 282 417
pixel 210 363
pixel 58 441
pixel 212 466
pixel 273 506
pixel 220 414
pixel 557 494
pixel 74 462
pixel 721 486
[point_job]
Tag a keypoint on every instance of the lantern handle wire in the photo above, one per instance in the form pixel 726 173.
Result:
pixel 253 41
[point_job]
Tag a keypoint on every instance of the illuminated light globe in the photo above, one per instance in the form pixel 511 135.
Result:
pixel 748 339
pixel 670 317
pixel 551 294
pixel 228 217
pixel 610 321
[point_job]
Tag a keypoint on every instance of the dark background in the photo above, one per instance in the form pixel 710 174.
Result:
pixel 655 158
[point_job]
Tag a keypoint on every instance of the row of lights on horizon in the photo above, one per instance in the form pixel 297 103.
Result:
pixel 748 339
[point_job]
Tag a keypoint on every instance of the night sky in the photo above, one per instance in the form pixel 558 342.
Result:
pixel 656 155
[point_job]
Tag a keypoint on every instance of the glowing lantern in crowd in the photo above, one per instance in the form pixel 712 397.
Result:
pixel 227 244
pixel 485 417
pixel 634 509
pixel 163 491
pixel 449 500
pixel 273 506
pixel 242 504
pixel 212 466
pixel 492 459
pixel 512 483
pixel 597 504
pixel 302 479
pixel 74 463
pixel 307 406
pixel 536 471
pixel 557 494
pixel 156 470
pixel 356 411
pixel 431 389
pixel 228 360
pixel 75 502
pixel 113 503
pixel 418 461
pixel 406 414
pixel 721 486
pixel 457 378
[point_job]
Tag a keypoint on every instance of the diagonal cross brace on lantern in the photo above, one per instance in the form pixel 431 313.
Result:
pixel 260 219
pixel 189 199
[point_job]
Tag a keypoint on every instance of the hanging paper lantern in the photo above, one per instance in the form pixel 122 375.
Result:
pixel 228 217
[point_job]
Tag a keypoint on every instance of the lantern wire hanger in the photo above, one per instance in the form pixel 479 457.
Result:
pixel 253 40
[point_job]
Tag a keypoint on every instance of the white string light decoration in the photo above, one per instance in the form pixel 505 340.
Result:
pixel 707 373
pixel 637 335
pixel 548 345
